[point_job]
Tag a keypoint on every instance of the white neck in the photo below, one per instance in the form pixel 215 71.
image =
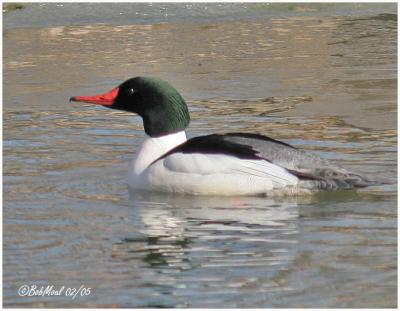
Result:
pixel 154 147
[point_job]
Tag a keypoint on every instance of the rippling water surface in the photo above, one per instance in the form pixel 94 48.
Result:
pixel 323 83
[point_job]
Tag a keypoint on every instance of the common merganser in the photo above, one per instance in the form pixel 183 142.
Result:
pixel 217 164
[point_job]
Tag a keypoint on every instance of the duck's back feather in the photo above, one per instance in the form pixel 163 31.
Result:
pixel 313 171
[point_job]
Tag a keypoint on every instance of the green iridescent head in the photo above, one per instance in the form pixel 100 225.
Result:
pixel 161 107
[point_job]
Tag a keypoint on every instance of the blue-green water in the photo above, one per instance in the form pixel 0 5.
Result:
pixel 321 77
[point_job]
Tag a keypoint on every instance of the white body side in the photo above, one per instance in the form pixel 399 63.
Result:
pixel 204 174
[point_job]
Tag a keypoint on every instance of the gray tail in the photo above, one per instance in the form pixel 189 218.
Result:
pixel 349 181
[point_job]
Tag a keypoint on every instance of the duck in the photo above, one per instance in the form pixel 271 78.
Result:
pixel 226 164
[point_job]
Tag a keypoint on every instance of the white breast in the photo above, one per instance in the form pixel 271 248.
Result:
pixel 151 149
pixel 204 174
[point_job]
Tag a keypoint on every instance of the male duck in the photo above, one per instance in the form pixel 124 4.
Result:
pixel 217 164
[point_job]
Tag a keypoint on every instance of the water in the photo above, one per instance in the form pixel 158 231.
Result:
pixel 322 78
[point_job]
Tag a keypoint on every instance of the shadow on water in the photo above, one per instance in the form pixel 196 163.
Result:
pixel 240 246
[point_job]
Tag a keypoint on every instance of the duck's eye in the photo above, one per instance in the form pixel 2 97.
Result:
pixel 131 91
